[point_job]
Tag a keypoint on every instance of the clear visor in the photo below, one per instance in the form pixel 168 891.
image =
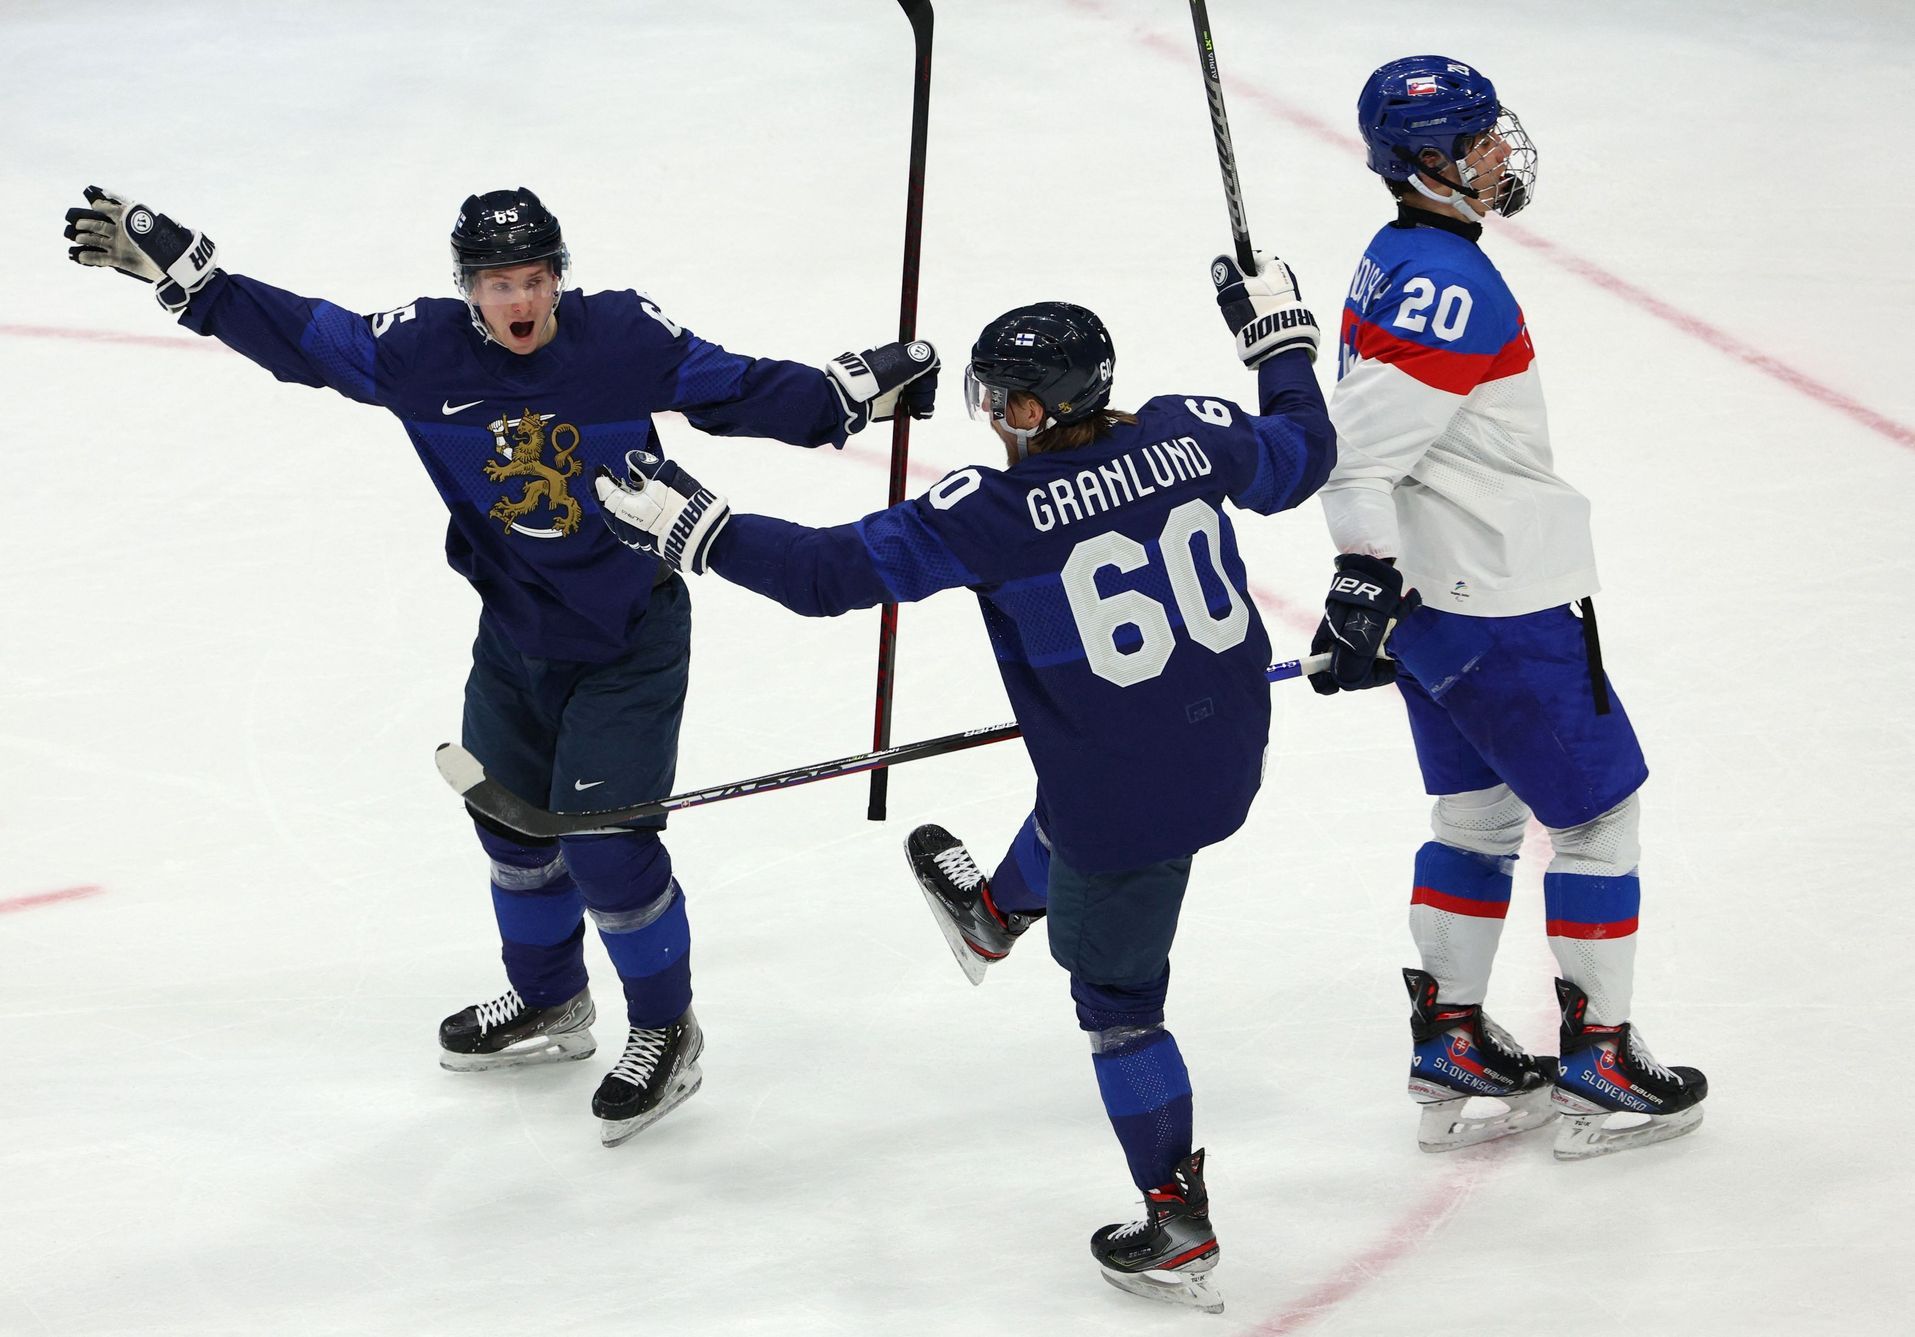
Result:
pixel 981 400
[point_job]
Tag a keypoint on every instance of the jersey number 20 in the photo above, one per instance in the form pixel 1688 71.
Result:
pixel 1099 616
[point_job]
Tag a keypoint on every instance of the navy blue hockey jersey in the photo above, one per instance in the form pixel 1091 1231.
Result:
pixel 1115 599
pixel 511 441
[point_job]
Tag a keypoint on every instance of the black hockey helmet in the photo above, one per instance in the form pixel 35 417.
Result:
pixel 499 229
pixel 505 227
pixel 1060 353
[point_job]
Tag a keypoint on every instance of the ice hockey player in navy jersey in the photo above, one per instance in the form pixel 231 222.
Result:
pixel 509 394
pixel 1446 488
pixel 1108 575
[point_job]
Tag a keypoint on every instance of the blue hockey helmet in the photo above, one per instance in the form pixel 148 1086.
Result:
pixel 1432 102
pixel 1059 353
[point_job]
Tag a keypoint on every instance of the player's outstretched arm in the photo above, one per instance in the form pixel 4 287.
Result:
pixel 109 232
pixel 658 508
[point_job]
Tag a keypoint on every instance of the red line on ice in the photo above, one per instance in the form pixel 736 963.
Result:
pixel 1404 1237
pixel 1690 324
pixel 107 336
pixel 47 898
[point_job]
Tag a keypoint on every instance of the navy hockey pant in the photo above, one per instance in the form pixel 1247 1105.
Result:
pixel 582 736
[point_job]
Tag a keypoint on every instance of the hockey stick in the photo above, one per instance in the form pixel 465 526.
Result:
pixel 1220 124
pixel 919 13
pixel 488 797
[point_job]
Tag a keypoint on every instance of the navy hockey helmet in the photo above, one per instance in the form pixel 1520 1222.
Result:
pixel 505 227
pixel 1057 352
pixel 1433 102
pixel 499 229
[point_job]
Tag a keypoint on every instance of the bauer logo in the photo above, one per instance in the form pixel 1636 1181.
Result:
pixel 140 221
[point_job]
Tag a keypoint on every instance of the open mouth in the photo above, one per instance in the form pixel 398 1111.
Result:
pixel 521 329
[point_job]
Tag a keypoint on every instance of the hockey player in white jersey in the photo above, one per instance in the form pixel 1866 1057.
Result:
pixel 1463 551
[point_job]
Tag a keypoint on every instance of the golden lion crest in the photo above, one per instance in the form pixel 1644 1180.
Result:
pixel 524 454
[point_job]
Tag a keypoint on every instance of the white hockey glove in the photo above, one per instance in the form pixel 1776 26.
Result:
pixel 1264 310
pixel 871 385
pixel 661 509
pixel 141 243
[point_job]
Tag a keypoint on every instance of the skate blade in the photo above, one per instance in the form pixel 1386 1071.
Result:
pixel 1448 1125
pixel 1585 1133
pixel 968 961
pixel 617 1132
pixel 566 1048
pixel 1193 1290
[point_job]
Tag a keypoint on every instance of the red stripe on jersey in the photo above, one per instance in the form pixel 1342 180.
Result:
pixel 1438 368
pixel 1458 905
pixel 1569 928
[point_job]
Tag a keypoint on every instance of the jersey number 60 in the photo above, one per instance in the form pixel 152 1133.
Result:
pixel 1098 616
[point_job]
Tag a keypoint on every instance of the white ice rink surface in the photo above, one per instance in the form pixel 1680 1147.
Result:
pixel 235 899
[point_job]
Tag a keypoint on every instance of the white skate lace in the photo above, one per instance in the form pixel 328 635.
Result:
pixel 1501 1038
pixel 958 867
pixel 1128 1231
pixel 1640 1055
pixel 500 1010
pixel 642 1052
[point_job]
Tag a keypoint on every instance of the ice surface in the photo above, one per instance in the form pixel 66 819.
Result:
pixel 232 644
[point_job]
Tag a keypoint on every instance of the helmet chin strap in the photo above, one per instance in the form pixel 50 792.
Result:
pixel 1457 201
pixel 1021 437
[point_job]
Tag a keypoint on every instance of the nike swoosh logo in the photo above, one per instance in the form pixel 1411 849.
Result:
pixel 449 408
pixel 580 786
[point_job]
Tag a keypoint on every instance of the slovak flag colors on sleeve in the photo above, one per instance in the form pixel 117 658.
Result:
pixel 1447 319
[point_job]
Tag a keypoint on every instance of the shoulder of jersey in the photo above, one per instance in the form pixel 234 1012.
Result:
pixel 1179 415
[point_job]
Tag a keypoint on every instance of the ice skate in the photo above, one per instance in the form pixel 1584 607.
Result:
pixel 1168 1255
pixel 977 932
pixel 1459 1056
pixel 1608 1071
pixel 657 1073
pixel 505 1033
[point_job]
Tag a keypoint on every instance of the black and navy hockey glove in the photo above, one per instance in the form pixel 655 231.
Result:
pixel 1263 310
pixel 661 509
pixel 141 243
pixel 1366 601
pixel 874 384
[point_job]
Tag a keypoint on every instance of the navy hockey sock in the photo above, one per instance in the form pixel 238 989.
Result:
pixel 1021 884
pixel 541 920
pixel 1146 1092
pixel 640 912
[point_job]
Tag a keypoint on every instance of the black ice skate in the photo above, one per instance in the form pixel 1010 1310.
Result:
pixel 960 899
pixel 505 1033
pixel 1607 1070
pixel 1168 1255
pixel 1456 1054
pixel 657 1073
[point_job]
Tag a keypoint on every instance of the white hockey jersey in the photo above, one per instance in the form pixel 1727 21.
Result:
pixel 1443 443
